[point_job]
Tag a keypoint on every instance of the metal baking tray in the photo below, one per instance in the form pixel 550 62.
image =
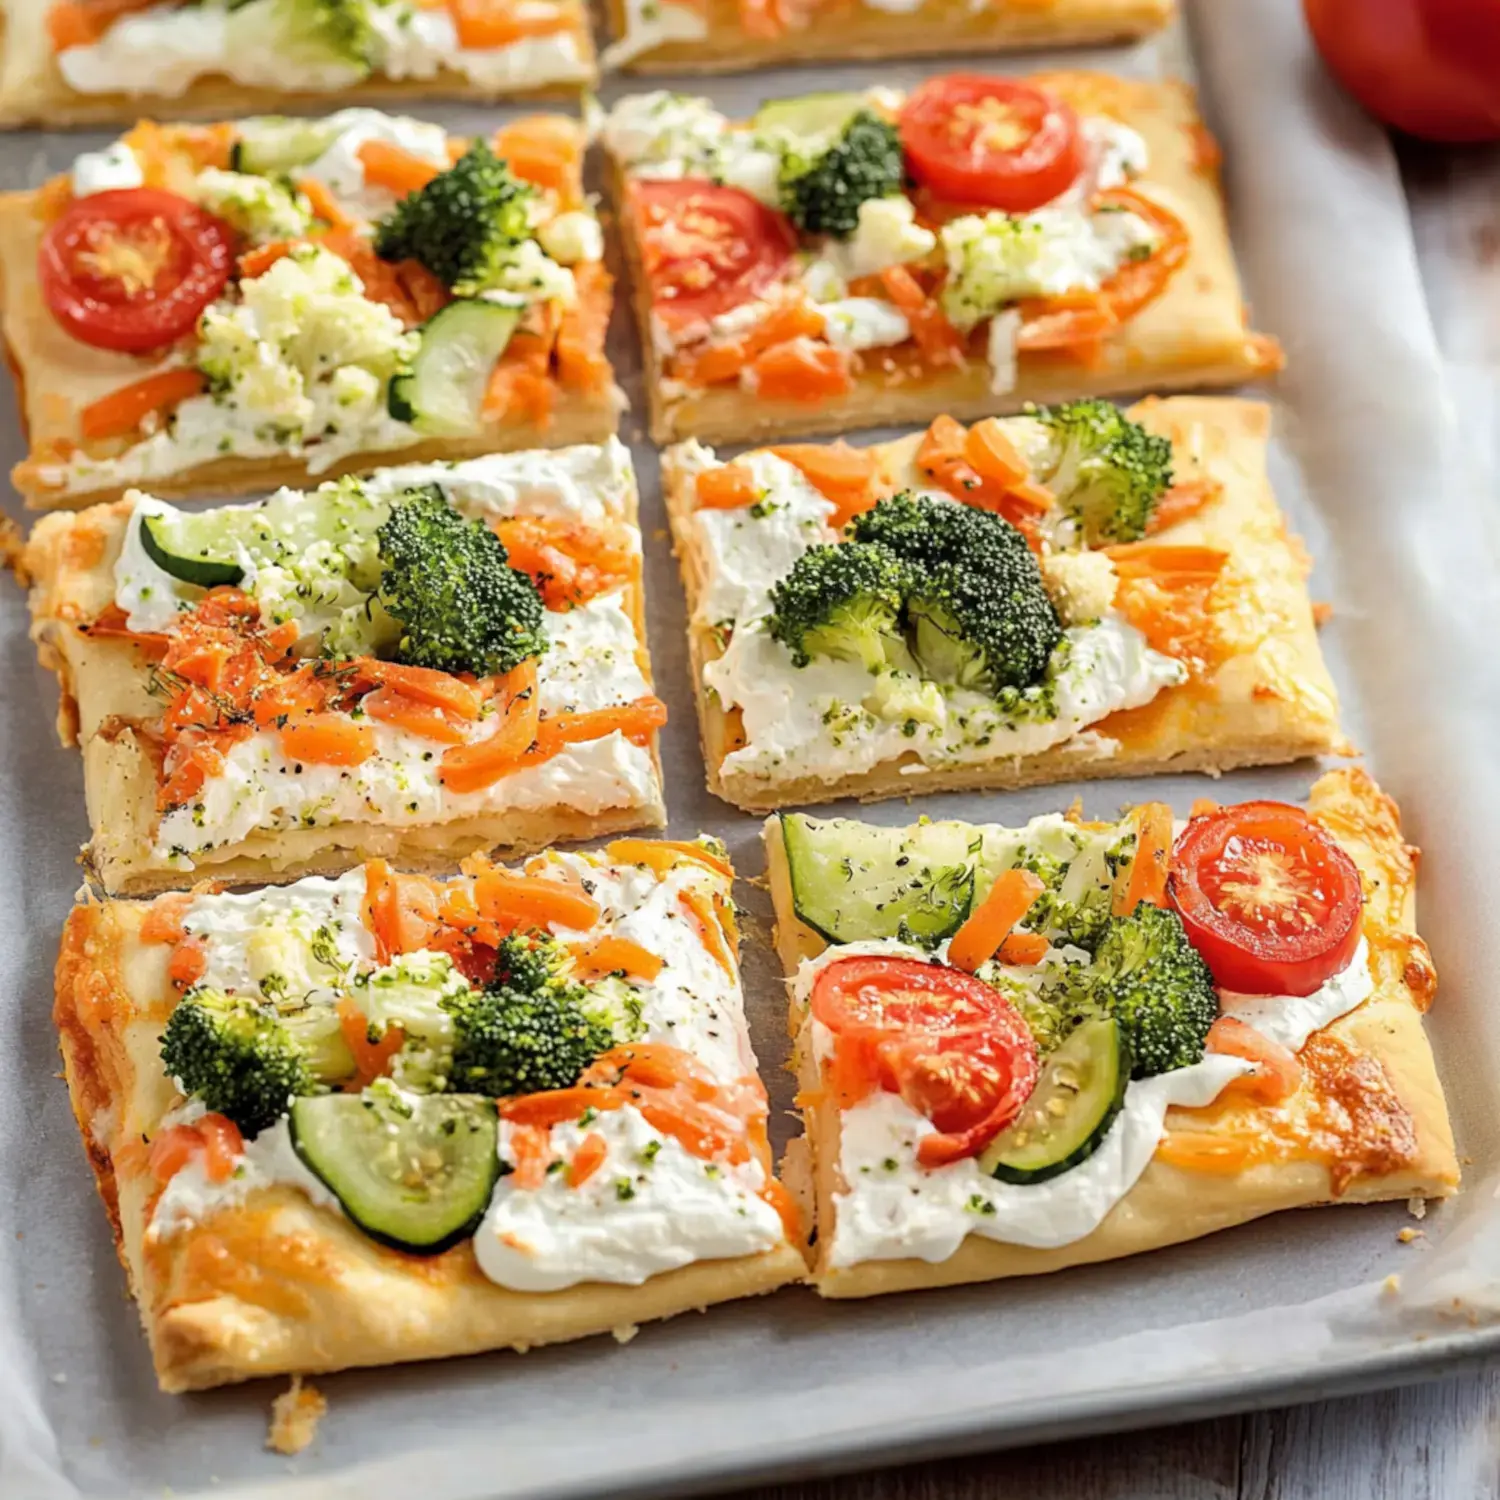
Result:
pixel 1296 1306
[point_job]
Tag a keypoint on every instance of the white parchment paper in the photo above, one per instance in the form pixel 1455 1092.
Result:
pixel 1375 472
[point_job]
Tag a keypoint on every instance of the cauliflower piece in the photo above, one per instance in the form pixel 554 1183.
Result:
pixel 995 259
pixel 1081 585
pixel 529 272
pixel 887 235
pixel 572 237
pixel 245 370
pixel 259 208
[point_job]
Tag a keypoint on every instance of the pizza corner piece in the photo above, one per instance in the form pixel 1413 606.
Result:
pixel 384 1117
pixel 1021 1049
pixel 226 308
pixel 435 660
pixel 1077 592
pixel 77 62
pixel 873 258
pixel 730 35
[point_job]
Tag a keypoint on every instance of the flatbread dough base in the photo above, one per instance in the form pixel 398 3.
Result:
pixel 276 1285
pixel 1271 701
pixel 1194 335
pixel 936 26
pixel 105 702
pixel 33 91
pixel 1169 1204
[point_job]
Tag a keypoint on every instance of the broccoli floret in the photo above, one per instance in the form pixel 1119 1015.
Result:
pixel 1147 974
pixel 822 193
pixel 463 224
pixel 528 1030
pixel 978 614
pixel 1110 472
pixel 845 602
pixel 448 582
pixel 235 1055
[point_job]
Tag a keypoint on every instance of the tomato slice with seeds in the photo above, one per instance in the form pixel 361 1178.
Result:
pixel 954 1049
pixel 707 248
pixel 992 141
pixel 132 269
pixel 875 993
pixel 1268 898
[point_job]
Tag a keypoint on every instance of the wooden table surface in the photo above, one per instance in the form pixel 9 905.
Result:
pixel 1439 1441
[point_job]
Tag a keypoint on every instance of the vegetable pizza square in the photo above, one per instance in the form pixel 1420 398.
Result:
pixel 861 259
pixel 227 308
pixel 438 659
pixel 717 35
pixel 81 62
pixel 1028 1048
pixel 1075 592
pixel 384 1117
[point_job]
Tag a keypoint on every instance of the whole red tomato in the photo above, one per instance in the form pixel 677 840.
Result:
pixel 1428 67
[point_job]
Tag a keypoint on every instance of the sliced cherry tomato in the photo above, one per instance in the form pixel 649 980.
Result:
pixel 970 1084
pixel 1268 898
pixel 707 248
pixel 992 141
pixel 132 269
pixel 954 1049
pixel 900 995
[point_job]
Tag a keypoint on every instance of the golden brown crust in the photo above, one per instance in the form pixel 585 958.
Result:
pixel 936 26
pixel 106 706
pixel 1269 699
pixel 275 1285
pixel 34 92
pixel 1194 335
pixel 1369 1124
pixel 57 377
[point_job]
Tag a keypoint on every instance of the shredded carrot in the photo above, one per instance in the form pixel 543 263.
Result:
pixel 531 1146
pixel 372 1058
pixel 1183 501
pixel 172 1149
pixel 662 855
pixel 437 689
pixel 257 261
pixel 1145 879
pixel 389 706
pixel 389 166
pixel 701 912
pixel 424 290
pixel 711 364
pixel 189 962
pixel 531 901
pixel 401 911
pixel 993 456
pixel 940 342
pixel 123 411
pixel 1277 1075
pixel 616 955
pixel 329 739
pixel 581 362
pixel 223 1145
pixel 545 150
pixel 323 204
pixel 81 23
pixel 779 1196
pixel 985 928
pixel 840 473
pixel 481 763
pixel 1202 807
pixel 637 721
pixel 1023 948
pixel 588 1158
pixel 1163 560
pixel 727 487
pixel 569 562
pixel 802 369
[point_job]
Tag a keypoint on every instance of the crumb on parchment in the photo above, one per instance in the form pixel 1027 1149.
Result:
pixel 295 1415
pixel 625 1332
pixel 1407 1235
pixel 1416 1206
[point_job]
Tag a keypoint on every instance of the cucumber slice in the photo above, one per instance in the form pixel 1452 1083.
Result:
pixel 197 549
pixel 854 880
pixel 808 115
pixel 443 392
pixel 274 143
pixel 415 1171
pixel 1070 1111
